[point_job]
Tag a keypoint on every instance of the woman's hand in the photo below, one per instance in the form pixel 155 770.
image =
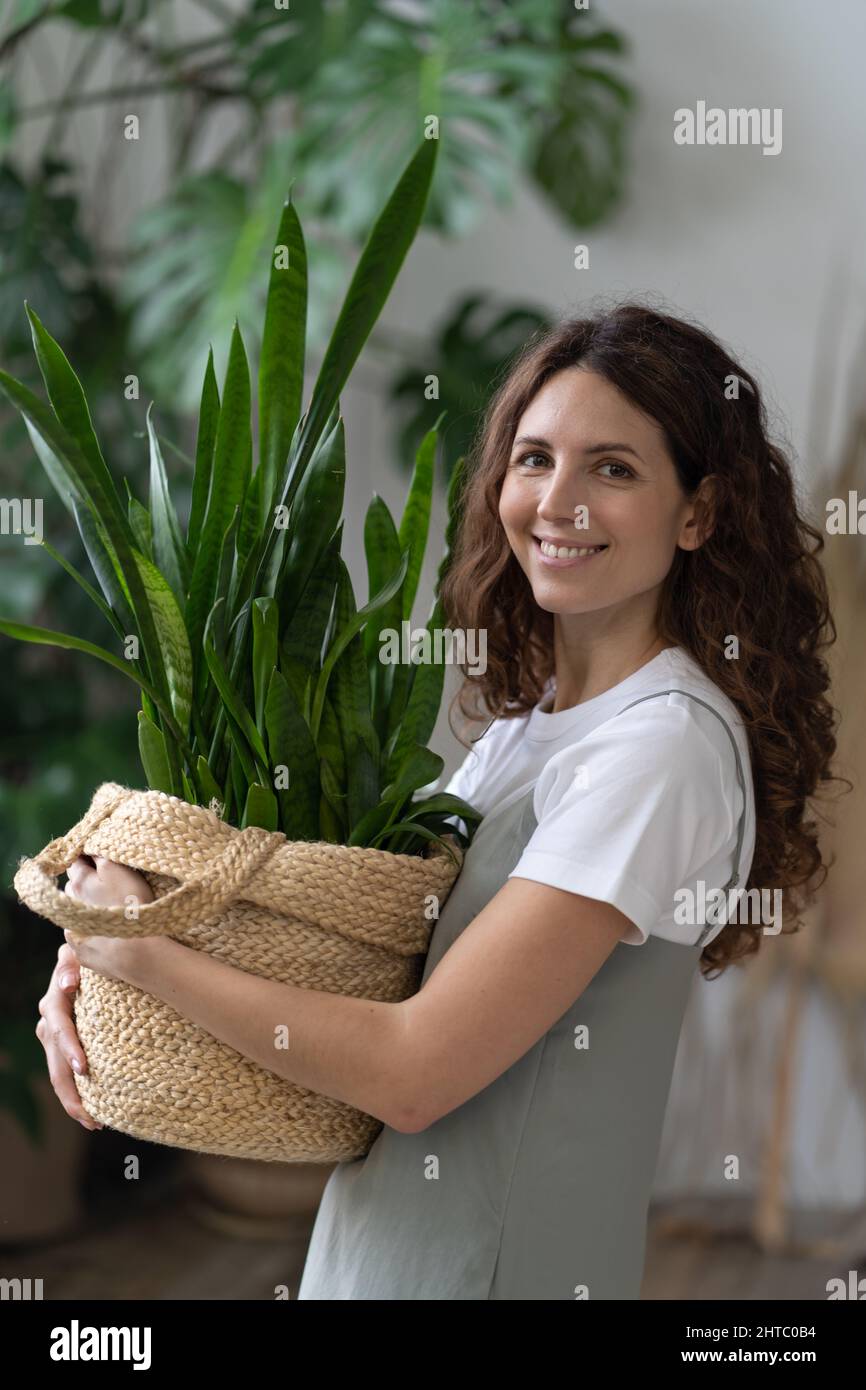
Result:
pixel 101 883
pixel 106 884
pixel 56 1032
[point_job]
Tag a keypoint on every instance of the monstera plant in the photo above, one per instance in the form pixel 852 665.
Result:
pixel 263 685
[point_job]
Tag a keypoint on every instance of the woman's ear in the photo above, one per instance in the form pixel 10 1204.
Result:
pixel 700 519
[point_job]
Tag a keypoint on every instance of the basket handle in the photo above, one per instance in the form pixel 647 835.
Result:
pixel 192 903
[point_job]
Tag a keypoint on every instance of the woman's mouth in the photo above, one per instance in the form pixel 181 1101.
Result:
pixel 562 556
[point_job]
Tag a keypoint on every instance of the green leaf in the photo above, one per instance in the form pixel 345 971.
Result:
pixel 173 638
pixel 314 517
pixel 382 549
pixel 64 484
pixel 414 721
pixel 249 531
pixel 265 645
pixel 105 566
pixel 70 406
pixel 330 825
pixel 415 524
pixel 281 364
pixel 140 524
pixel 248 734
pixel 376 819
pixel 208 418
pixel 241 775
pixel 344 638
pixel 453 501
pixel 363 780
pixel 303 636
pixel 169 551
pixel 207 782
pixel 261 808
pixel 444 802
pixel 420 766
pixel 102 501
pixel 414 829
pixel 291 746
pixel 334 798
pixel 580 155
pixel 231 471
pixel 330 741
pixel 377 269
pixel 154 758
pixel 225 574
pixel 350 692
pixel 88 588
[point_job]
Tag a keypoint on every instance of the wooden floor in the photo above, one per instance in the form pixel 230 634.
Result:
pixel 157 1244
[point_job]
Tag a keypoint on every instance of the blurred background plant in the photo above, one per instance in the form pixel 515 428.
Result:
pixel 315 93
pixel 325 96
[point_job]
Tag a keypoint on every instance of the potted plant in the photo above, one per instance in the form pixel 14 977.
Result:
pixel 282 756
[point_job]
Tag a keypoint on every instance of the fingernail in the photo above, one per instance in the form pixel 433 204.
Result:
pixel 76 1065
pixel 67 979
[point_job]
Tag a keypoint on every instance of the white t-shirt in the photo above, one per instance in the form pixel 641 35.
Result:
pixel 628 811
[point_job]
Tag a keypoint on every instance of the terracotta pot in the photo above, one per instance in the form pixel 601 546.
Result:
pixel 253 1199
pixel 40 1187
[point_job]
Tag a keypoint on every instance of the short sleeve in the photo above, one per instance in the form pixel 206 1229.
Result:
pixel 631 813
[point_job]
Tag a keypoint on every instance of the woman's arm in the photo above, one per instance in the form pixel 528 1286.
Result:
pixel 351 1049
pixel 515 970
pixel 510 975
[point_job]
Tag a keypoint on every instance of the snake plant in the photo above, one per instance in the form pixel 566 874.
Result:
pixel 262 687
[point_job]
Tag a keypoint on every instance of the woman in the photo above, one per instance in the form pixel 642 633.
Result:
pixel 631 545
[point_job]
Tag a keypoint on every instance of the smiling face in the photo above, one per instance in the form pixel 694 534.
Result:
pixel 583 452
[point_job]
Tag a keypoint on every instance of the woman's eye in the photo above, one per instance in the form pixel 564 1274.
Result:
pixel 527 457
pixel 615 463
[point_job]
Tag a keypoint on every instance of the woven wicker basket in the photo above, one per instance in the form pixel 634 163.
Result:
pixel 330 917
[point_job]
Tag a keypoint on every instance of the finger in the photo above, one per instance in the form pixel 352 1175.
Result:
pixel 79 871
pixel 57 1008
pixel 66 956
pixel 67 972
pixel 56 1031
pixel 63 1082
pixel 69 978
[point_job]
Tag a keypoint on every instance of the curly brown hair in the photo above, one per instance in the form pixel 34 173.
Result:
pixel 757 575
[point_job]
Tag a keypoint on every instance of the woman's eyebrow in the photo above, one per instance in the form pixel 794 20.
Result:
pixel 541 443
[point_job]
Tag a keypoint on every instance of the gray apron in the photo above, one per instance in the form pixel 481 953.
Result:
pixel 538 1186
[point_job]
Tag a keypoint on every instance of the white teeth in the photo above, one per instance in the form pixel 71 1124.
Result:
pixel 562 552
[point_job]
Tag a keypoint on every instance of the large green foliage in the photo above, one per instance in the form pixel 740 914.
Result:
pixel 261 680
